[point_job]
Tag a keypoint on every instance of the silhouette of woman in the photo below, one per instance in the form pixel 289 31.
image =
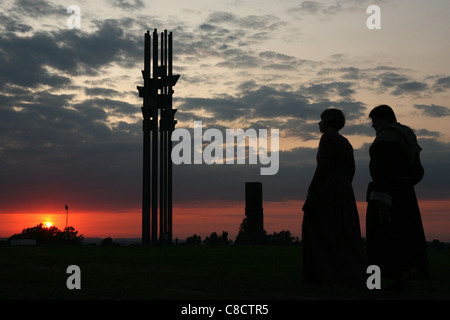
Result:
pixel 333 253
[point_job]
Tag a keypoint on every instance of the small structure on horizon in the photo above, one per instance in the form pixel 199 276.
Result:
pixel 252 230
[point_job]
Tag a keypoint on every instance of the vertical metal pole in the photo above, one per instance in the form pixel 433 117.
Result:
pixel 166 119
pixel 161 145
pixel 67 221
pixel 146 148
pixel 155 141
pixel 170 128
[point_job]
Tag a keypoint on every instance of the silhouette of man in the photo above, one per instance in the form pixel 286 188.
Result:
pixel 394 230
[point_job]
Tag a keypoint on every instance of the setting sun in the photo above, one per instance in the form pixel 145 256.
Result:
pixel 48 224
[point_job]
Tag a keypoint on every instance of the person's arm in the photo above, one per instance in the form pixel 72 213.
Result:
pixel 324 162
pixel 384 156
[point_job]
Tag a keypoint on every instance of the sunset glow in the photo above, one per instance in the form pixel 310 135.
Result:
pixel 48 224
pixel 190 220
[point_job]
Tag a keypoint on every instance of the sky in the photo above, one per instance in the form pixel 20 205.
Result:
pixel 71 121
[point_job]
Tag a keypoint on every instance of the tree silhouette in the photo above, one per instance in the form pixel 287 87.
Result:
pixel 282 237
pixel 49 235
pixel 108 242
pixel 215 239
pixel 195 239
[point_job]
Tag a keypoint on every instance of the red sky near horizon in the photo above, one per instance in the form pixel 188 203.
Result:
pixel 203 221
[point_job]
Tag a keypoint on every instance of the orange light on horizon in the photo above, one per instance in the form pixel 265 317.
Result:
pixel 218 216
pixel 48 224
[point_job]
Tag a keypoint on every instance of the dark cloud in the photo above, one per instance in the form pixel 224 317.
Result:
pixel 227 108
pixel 11 24
pixel 352 73
pixel 410 87
pixel 269 102
pixel 239 59
pixel 116 107
pixel 435 158
pixel 228 36
pixel 128 4
pixel 442 84
pixel 316 8
pixel 399 83
pixel 275 55
pixel 391 79
pixel 309 7
pixel 433 110
pixel 274 104
pixel 222 17
pixel 255 22
pixel 38 8
pixel 324 90
pixel 324 8
pixel 424 133
pixel 101 92
pixel 25 61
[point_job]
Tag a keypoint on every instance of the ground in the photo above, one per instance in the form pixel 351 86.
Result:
pixel 185 273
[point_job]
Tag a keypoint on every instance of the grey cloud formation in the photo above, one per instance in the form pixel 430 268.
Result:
pixel 269 102
pixel 116 107
pixel 410 87
pixel 254 22
pixel 433 110
pixel 315 8
pixel 391 79
pixel 442 84
pixel 324 90
pixel 229 37
pixel 37 8
pixel 10 24
pixel 271 107
pixel 128 4
pixel 396 81
pixel 101 92
pixel 327 8
pixel 24 60
pixel 228 108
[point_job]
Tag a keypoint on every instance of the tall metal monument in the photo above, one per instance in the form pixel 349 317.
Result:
pixel 157 162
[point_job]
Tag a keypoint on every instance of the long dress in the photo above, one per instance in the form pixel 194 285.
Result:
pixel 332 248
pixel 394 230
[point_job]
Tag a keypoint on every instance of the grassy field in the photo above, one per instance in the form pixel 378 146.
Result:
pixel 184 272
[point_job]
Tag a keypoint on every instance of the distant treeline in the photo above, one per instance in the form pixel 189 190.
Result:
pixel 49 235
pixel 279 238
